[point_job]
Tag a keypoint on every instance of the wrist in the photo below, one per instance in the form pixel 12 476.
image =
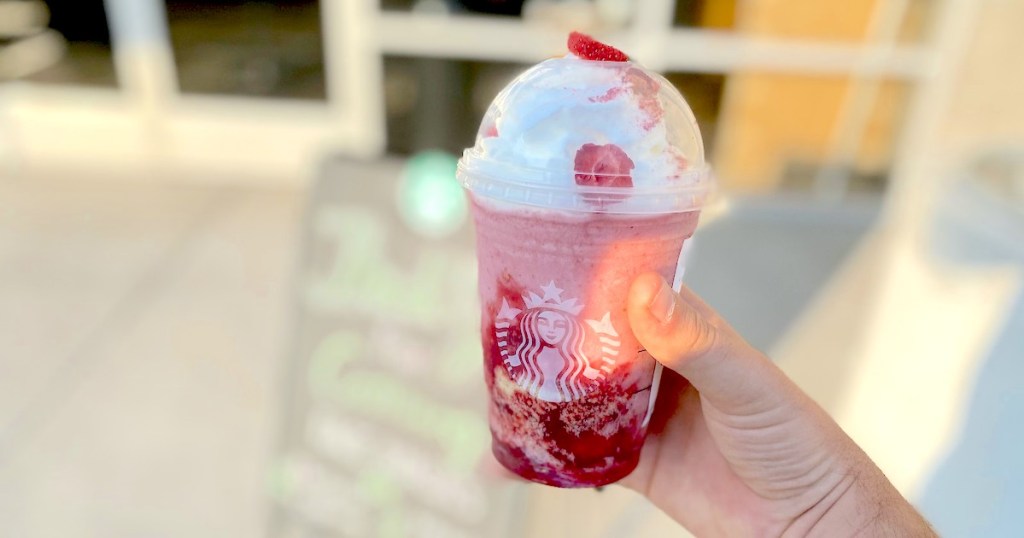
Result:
pixel 864 503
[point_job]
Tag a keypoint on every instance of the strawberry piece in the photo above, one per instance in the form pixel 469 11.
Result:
pixel 603 166
pixel 589 48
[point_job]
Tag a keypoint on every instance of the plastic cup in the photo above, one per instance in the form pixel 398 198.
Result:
pixel 571 391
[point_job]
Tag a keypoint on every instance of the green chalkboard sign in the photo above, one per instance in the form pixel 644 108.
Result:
pixel 385 422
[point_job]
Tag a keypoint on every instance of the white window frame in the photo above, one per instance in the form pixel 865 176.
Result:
pixel 147 127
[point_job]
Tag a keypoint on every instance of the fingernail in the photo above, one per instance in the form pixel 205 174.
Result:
pixel 664 303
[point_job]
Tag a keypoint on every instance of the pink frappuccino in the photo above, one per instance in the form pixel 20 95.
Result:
pixel 585 174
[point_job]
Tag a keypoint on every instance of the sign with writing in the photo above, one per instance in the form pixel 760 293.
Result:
pixel 385 425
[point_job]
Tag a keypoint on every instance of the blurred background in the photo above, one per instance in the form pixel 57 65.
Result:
pixel 234 263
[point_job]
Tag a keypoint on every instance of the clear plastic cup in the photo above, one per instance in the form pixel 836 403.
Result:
pixel 558 246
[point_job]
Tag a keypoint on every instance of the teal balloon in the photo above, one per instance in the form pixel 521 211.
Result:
pixel 430 199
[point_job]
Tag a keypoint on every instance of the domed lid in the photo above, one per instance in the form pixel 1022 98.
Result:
pixel 589 134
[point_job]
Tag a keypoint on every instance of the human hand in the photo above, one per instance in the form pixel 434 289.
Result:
pixel 737 449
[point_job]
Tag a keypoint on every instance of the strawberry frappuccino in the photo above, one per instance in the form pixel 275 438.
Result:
pixel 587 171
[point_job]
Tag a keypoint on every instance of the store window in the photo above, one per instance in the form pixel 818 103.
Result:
pixel 248 48
pixel 56 41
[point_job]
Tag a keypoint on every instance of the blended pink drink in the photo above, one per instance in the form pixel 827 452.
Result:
pixel 587 171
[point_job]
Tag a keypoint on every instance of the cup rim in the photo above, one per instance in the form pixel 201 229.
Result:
pixel 689 193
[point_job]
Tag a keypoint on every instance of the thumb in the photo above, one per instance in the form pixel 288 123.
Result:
pixel 683 333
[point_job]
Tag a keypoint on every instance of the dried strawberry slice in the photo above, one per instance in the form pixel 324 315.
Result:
pixel 603 166
pixel 589 48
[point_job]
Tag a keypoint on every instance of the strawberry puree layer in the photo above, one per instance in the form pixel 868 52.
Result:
pixel 580 424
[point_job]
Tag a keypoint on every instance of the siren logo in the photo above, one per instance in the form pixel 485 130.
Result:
pixel 555 356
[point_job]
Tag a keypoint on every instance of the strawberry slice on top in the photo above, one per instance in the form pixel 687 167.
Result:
pixel 589 48
pixel 603 166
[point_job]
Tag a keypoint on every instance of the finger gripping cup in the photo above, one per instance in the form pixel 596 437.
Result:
pixel 584 175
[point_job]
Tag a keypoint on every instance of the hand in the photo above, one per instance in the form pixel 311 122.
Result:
pixel 736 449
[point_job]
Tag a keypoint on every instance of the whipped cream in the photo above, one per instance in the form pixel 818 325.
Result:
pixel 532 132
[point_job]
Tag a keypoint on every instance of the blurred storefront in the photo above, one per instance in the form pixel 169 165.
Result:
pixel 840 134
